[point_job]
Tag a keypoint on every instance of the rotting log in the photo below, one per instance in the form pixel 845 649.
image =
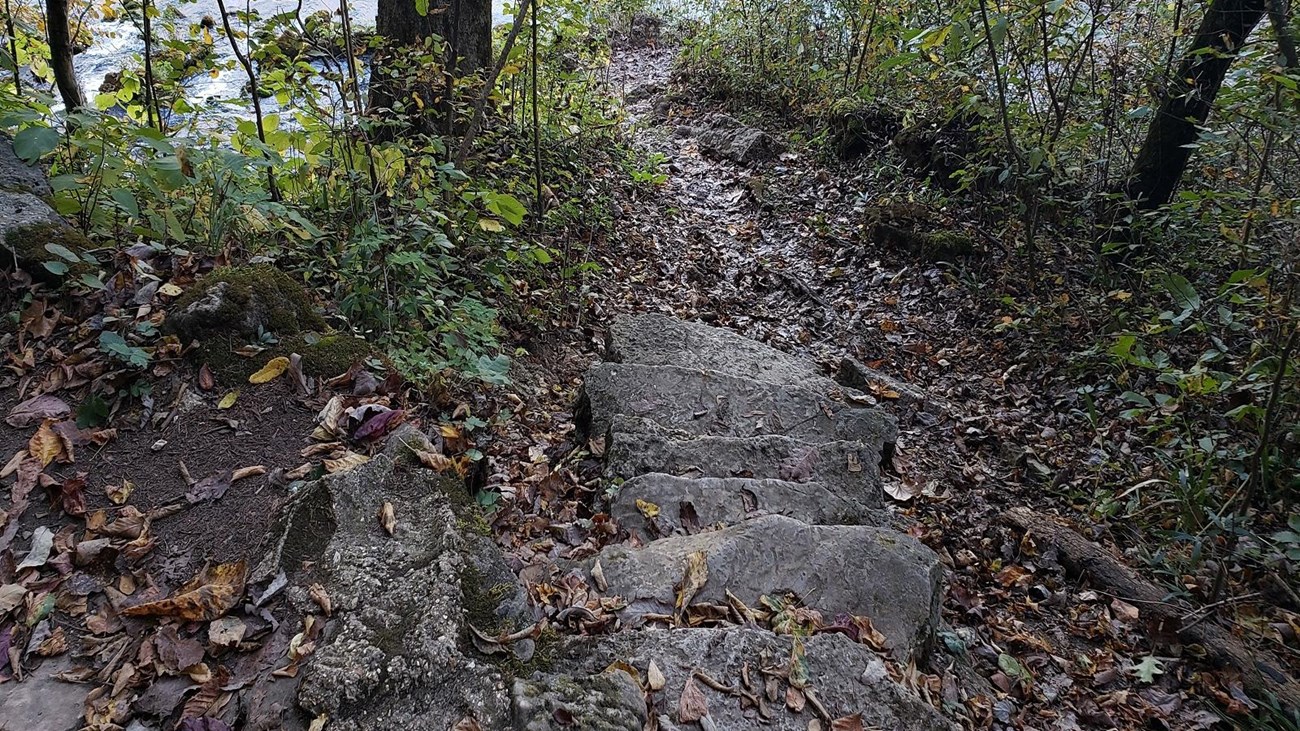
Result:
pixel 1261 673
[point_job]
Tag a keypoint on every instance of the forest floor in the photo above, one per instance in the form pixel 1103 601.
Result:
pixel 779 251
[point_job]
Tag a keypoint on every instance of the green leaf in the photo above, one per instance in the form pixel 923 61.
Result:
pixel 56 267
pixel 1148 669
pixel 507 207
pixel 92 412
pixel 1014 669
pixel 33 143
pixel 422 7
pixel 1182 291
pixel 125 199
pixel 62 251
pixel 114 344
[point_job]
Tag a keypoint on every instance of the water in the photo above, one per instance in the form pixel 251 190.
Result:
pixel 223 95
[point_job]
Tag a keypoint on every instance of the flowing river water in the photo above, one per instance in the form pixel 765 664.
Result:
pixel 221 96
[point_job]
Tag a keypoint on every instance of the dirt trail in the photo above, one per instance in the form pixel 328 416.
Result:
pixel 781 251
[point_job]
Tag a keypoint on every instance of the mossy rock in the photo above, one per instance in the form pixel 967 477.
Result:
pixel 932 246
pixel 28 225
pixel 322 356
pixel 243 302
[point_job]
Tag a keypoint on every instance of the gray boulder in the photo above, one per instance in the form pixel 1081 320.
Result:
pixel 17 176
pixel 847 678
pixel 701 402
pixel 848 469
pixel 727 138
pixel 859 570
pixel 714 501
pixel 391 657
pixel 855 374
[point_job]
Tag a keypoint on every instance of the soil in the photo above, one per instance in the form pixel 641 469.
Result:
pixel 272 424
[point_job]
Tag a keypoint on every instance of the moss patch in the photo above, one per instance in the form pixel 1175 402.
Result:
pixel 239 300
pixel 28 244
pixel 329 356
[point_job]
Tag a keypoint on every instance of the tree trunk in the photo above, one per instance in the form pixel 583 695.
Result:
pixel 60 38
pixel 1187 101
pixel 465 26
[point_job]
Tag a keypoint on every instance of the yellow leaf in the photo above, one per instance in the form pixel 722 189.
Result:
pixel 45 445
pixel 228 400
pixel 270 371
pixel 449 431
pixel 1121 295
pixel 118 494
pixel 647 508
pixel 490 224
pixel 170 290
pixel 345 462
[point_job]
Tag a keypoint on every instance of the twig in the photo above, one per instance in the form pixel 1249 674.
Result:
pixel 467 141
pixel 252 87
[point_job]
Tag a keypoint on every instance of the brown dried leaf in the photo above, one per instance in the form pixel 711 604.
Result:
pixel 848 723
pixel 655 679
pixel 693 579
pixel 388 518
pixel 206 380
pixel 692 706
pixel 37 409
pixel 321 597
pixel 209 595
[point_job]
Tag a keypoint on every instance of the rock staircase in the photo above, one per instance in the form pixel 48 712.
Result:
pixel 741 471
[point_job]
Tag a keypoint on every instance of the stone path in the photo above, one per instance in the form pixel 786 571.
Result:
pixel 766 481
pixel 741 472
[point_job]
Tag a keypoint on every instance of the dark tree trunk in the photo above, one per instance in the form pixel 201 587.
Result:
pixel 60 38
pixel 1188 99
pixel 465 26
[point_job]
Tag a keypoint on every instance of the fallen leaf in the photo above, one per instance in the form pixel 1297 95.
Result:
pixel 227 631
pixel 435 461
pixel 228 400
pixel 388 518
pixel 14 462
pixel 11 595
pixel 209 595
pixel 848 723
pixel 655 679
pixel 72 495
pixel 211 487
pixel 598 576
pixel 45 445
pixel 118 494
pixel 1147 670
pixel 206 380
pixel 795 699
pixel 171 290
pixel 271 371
pixel 37 409
pixel 647 508
pixel 692 706
pixel 42 544
pixel 379 425
pixel 693 579
pixel 348 461
pixel 243 472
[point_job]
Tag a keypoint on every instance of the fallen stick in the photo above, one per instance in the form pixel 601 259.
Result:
pixel 1261 673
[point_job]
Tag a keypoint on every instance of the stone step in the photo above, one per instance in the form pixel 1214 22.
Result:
pixel 714 501
pixel 702 403
pixel 653 339
pixel 847 678
pixel 848 469
pixel 858 570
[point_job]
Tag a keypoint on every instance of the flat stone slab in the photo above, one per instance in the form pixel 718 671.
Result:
pixel 653 339
pixel 701 402
pixel 848 469
pixel 858 570
pixel 723 501
pixel 847 677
